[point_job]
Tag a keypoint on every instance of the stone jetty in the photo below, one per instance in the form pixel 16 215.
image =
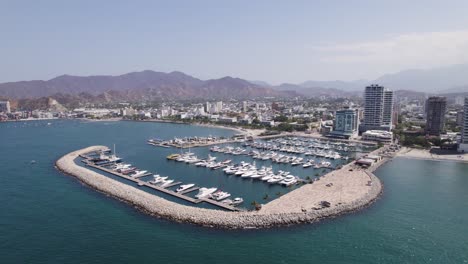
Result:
pixel 345 190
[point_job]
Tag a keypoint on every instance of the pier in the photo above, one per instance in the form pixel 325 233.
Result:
pixel 163 189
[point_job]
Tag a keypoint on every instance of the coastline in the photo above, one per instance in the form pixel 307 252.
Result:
pixel 247 132
pixel 424 154
pixel 350 192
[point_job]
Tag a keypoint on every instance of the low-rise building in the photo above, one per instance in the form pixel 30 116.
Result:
pixel 378 135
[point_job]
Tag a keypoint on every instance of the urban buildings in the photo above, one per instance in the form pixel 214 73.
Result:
pixel 5 107
pixel 463 146
pixel 435 115
pixel 346 123
pixel 378 109
pixel 378 135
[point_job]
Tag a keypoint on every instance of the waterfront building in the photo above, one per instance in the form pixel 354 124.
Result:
pixel 435 115
pixel 463 146
pixel 5 107
pixel 378 109
pixel 346 123
pixel 378 135
pixel 226 119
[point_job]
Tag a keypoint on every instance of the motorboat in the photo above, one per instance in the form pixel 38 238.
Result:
pixel 219 195
pixel 158 179
pixel 139 173
pixel 267 177
pixel 184 187
pixel 289 180
pixel 308 164
pixel 275 179
pixel 249 173
pixel 166 183
pixel 204 192
pixel 237 201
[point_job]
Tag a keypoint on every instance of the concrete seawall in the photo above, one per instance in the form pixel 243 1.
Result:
pixel 350 191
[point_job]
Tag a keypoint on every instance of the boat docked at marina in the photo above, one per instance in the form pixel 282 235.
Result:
pixel 288 180
pixel 158 179
pixel 139 173
pixel 219 195
pixel 166 183
pixel 205 192
pixel 184 187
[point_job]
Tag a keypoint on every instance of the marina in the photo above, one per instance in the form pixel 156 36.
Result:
pixel 163 188
pixel 345 190
pixel 193 142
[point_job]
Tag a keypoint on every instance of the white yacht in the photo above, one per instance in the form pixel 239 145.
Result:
pixel 237 201
pixel 219 195
pixel 249 173
pixel 166 183
pixel 139 173
pixel 158 179
pixel 204 192
pixel 289 180
pixel 275 179
pixel 184 187
pixel 267 177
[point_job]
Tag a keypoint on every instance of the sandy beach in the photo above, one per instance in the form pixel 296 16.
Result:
pixel 348 190
pixel 425 154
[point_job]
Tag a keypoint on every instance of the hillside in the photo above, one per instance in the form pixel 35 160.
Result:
pixel 145 85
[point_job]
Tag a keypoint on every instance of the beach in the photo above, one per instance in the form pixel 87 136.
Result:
pixel 425 154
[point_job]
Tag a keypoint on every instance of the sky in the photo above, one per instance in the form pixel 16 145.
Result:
pixel 272 41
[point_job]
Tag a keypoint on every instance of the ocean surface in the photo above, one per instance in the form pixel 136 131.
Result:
pixel 47 217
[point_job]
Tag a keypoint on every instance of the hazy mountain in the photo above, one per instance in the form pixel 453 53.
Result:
pixel 437 80
pixel 261 83
pixel 431 80
pixel 316 91
pixel 342 85
pixel 145 85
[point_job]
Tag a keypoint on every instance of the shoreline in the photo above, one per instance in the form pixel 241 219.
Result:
pixel 349 193
pixel 424 154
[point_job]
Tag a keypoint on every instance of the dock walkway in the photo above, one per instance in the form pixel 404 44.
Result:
pixel 164 190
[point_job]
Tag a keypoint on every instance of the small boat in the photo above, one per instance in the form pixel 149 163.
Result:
pixel 219 195
pixel 185 187
pixel 173 156
pixel 267 177
pixel 166 183
pixel 275 179
pixel 237 201
pixel 139 173
pixel 289 180
pixel 204 192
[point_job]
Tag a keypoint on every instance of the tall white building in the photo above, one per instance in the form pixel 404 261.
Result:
pixel 378 109
pixel 244 106
pixel 463 147
pixel 219 106
pixel 5 107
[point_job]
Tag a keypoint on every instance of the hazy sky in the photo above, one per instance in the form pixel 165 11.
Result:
pixel 274 41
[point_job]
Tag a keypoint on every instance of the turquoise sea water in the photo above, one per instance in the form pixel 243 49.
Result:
pixel 46 217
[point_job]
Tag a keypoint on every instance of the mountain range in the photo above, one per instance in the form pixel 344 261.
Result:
pixel 442 80
pixel 145 85
pixel 150 86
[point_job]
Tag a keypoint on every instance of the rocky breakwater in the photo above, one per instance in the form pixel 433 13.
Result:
pixel 345 190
